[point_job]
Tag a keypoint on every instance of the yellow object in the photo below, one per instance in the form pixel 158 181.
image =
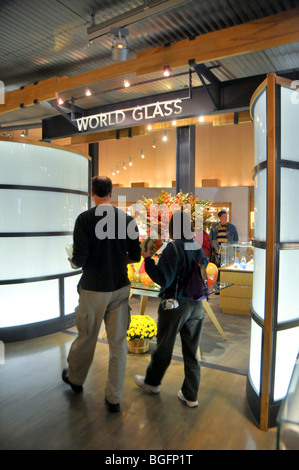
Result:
pixel 146 280
pixel 136 277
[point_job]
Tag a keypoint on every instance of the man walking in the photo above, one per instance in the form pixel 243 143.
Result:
pixel 106 239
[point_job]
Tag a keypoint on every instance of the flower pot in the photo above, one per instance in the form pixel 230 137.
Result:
pixel 138 346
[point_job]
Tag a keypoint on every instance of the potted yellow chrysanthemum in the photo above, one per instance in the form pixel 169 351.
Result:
pixel 142 328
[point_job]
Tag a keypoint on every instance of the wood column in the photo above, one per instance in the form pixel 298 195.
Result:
pixel 270 252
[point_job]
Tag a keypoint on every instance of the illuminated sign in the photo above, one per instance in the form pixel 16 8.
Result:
pixel 164 109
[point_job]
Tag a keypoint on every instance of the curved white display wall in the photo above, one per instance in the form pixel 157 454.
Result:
pixel 42 191
pixel 284 320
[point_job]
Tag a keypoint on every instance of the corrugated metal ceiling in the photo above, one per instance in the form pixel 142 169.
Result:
pixel 40 39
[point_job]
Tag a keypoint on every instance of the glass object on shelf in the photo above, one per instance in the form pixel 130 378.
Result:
pixel 288 416
pixel 237 256
pixel 260 128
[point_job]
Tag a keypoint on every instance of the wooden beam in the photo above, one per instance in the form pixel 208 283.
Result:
pixel 45 90
pixel 264 33
pixel 271 31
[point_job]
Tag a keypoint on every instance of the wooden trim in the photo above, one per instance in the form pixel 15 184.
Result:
pixel 270 252
pixel 271 31
pixel 257 92
pixel 284 82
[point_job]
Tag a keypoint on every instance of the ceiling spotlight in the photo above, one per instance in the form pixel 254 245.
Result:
pixel 124 165
pixel 166 70
pixel 120 49
pixel 142 154
pixel 201 118
pixel 130 162
pixel 60 101
pixel 154 144
pixel 112 171
pixel 174 123
pixel 127 83
pixel 87 92
pixel 164 138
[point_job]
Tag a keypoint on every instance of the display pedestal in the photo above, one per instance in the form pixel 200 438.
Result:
pixel 236 299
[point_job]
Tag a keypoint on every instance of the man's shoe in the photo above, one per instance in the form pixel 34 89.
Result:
pixel 191 404
pixel 112 407
pixel 75 388
pixel 139 380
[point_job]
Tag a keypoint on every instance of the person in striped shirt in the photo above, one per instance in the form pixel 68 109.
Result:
pixel 223 231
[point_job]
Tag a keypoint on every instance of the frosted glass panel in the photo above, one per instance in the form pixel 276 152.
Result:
pixel 260 205
pixel 289 224
pixel 259 276
pixel 42 166
pixel 71 296
pixel 39 211
pixel 287 347
pixel 33 257
pixel 289 124
pixel 255 355
pixel 260 128
pixel 31 302
pixel 288 286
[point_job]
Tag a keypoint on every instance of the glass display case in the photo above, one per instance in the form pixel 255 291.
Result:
pixel 288 416
pixel 237 264
pixel 237 256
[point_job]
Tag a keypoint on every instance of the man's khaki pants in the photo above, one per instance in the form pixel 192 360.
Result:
pixel 93 307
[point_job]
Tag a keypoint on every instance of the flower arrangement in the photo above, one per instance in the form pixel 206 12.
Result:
pixel 141 327
pixel 169 202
